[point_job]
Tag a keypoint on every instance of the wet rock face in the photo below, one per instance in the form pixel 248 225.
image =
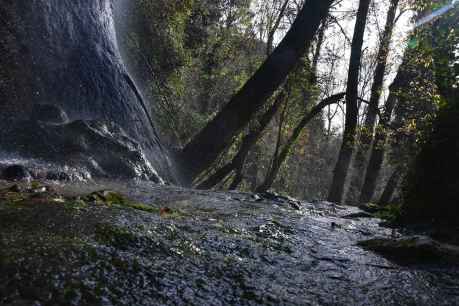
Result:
pixel 96 149
pixel 71 151
pixel 64 53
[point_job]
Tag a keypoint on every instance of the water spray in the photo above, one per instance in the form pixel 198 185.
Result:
pixel 437 13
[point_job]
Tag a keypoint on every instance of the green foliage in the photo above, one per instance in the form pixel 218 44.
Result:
pixel 430 192
pixel 392 213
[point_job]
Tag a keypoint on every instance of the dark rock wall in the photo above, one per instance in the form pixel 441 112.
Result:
pixel 64 52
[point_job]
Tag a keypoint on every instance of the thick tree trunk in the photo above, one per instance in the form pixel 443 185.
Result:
pixel 368 129
pixel 64 53
pixel 218 135
pixel 352 112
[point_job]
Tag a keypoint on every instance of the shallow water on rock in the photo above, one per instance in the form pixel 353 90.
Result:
pixel 215 248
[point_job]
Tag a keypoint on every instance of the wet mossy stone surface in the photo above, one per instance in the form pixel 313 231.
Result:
pixel 111 243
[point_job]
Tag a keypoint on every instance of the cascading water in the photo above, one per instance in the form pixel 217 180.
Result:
pixel 437 13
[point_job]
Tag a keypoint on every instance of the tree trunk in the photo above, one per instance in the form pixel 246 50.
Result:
pixel 402 79
pixel 279 159
pixel 218 135
pixel 377 153
pixel 367 131
pixel 64 53
pixel 352 112
pixel 391 187
pixel 282 156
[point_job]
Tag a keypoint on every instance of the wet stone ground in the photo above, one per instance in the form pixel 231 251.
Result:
pixel 70 245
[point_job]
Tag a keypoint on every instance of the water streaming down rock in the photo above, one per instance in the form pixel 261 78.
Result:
pixel 64 53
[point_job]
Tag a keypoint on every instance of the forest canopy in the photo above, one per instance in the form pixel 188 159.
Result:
pixel 368 72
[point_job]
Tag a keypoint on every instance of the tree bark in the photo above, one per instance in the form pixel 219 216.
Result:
pixel 368 129
pixel 218 135
pixel 280 159
pixel 401 80
pixel 377 153
pixel 347 147
pixel 247 142
pixel 64 53
pixel 391 187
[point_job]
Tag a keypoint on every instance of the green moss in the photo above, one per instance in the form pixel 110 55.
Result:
pixel 74 205
pixel 111 198
pixel 114 235
pixel 144 207
pixel 35 184
pixel 391 213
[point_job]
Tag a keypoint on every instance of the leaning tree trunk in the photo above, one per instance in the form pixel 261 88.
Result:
pixel 64 53
pixel 218 135
pixel 352 112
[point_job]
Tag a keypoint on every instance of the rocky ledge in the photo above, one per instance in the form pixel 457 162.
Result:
pixel 49 146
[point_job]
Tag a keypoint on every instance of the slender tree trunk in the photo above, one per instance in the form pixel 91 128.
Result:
pixel 377 153
pixel 247 143
pixel 347 147
pixel 318 49
pixel 367 131
pixel 282 156
pixel 218 135
pixel 391 187
pixel 402 79
pixel 275 27
pixel 279 159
